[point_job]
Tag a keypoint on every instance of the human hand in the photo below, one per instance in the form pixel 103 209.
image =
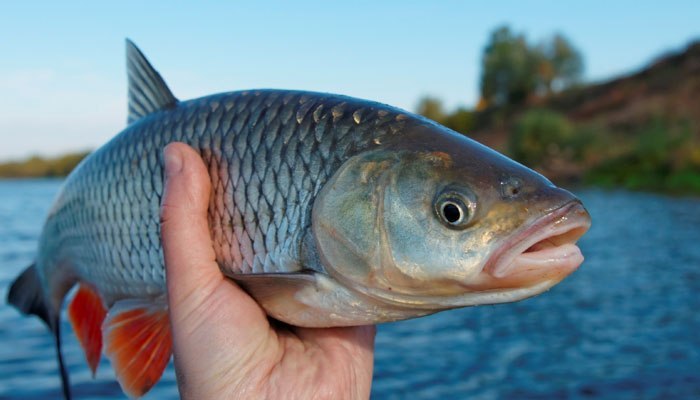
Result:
pixel 223 344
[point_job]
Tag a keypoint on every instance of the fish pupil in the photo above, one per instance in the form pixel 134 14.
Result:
pixel 451 212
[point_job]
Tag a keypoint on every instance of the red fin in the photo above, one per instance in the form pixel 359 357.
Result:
pixel 138 343
pixel 86 314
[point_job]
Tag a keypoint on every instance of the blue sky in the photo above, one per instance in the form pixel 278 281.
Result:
pixel 63 80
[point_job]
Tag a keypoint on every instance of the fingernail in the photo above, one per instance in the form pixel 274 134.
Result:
pixel 173 161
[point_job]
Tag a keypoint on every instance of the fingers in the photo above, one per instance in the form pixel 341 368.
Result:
pixel 189 257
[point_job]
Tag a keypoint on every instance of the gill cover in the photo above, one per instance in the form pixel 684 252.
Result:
pixel 376 229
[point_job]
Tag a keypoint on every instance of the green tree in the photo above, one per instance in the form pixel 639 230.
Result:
pixel 513 69
pixel 560 64
pixel 509 68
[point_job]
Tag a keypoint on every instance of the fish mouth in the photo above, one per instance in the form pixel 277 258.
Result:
pixel 545 250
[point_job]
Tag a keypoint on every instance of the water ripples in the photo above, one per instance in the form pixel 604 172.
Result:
pixel 625 326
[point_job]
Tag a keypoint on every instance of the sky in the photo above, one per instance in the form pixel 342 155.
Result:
pixel 62 64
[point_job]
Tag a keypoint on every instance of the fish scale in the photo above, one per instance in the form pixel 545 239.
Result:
pixel 267 161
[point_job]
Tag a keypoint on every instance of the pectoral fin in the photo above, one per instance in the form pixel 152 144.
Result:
pixel 315 300
pixel 284 296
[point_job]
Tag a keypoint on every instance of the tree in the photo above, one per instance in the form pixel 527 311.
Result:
pixel 508 69
pixel 561 64
pixel 513 70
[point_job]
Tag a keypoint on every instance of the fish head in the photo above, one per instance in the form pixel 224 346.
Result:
pixel 435 221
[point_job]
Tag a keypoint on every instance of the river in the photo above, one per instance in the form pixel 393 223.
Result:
pixel 626 325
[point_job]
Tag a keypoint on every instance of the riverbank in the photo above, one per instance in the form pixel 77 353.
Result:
pixel 42 167
pixel 639 131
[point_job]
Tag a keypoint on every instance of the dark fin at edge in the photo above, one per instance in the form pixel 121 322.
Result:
pixel 27 295
pixel 148 91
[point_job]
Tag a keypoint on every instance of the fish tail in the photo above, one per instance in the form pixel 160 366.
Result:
pixel 27 295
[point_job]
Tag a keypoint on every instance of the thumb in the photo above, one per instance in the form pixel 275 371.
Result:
pixel 190 262
pixel 194 281
pixel 207 311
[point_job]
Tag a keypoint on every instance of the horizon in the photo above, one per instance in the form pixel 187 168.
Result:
pixel 64 83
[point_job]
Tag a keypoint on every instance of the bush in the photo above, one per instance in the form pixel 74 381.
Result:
pixel 540 135
pixel 661 159
pixel 461 120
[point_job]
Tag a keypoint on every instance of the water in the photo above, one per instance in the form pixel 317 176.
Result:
pixel 625 326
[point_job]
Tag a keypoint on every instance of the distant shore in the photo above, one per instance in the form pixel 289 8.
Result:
pixel 42 167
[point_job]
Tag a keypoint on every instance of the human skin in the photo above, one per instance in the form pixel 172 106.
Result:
pixel 224 345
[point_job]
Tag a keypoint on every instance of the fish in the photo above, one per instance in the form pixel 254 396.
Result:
pixel 328 210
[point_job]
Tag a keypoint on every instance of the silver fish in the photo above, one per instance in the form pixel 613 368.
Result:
pixel 328 210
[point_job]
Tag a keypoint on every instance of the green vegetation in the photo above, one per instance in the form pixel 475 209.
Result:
pixel 665 157
pixel 639 132
pixel 661 155
pixel 514 70
pixel 539 137
pixel 39 167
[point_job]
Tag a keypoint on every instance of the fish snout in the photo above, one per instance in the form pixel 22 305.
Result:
pixel 544 250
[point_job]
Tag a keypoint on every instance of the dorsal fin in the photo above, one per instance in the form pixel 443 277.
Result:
pixel 147 90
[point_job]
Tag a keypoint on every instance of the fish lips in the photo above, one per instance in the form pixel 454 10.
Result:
pixel 543 250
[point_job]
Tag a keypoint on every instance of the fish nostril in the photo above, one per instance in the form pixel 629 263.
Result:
pixel 511 187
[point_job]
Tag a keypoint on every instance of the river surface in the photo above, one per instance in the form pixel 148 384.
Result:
pixel 625 326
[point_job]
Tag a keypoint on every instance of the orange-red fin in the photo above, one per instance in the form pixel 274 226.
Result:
pixel 137 341
pixel 86 313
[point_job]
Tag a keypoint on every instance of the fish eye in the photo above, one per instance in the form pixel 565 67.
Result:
pixel 454 210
